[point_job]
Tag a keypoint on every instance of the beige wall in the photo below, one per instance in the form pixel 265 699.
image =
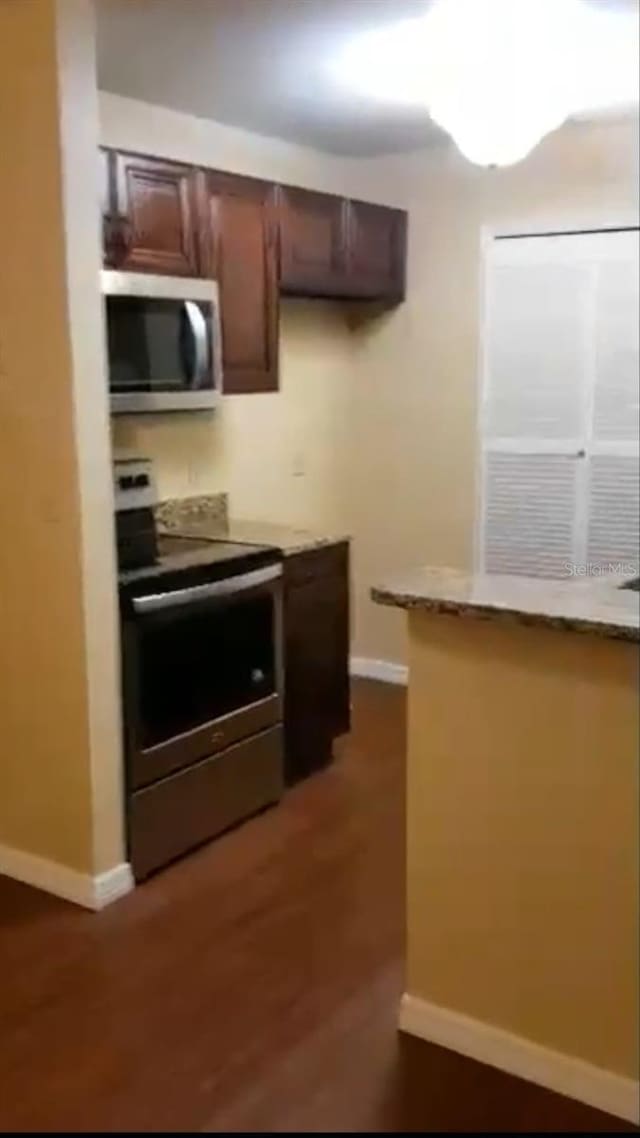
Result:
pixel 399 475
pixel 60 764
pixel 522 803
pixel 279 456
pixel 413 500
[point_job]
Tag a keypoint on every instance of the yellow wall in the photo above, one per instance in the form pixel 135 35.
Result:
pixel 522 802
pixel 279 456
pixel 59 748
pixel 399 476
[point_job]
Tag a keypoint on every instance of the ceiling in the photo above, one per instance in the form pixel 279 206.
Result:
pixel 262 65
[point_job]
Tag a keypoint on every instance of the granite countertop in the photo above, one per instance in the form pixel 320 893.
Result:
pixel 206 517
pixel 594 604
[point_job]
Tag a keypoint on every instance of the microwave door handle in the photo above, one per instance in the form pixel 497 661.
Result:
pixel 198 326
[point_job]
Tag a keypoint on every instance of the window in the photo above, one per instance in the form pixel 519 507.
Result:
pixel 560 411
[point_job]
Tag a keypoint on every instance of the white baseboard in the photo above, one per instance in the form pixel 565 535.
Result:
pixel 70 884
pixel 384 670
pixel 110 886
pixel 564 1074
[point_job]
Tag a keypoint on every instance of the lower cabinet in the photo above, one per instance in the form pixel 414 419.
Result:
pixel 316 621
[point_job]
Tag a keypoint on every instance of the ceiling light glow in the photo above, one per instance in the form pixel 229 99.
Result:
pixel 501 73
pixel 498 75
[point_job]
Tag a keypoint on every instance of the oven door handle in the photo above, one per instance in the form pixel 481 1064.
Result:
pixel 198 326
pixel 218 590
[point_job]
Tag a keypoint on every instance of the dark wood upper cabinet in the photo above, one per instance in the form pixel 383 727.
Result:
pixel 313 242
pixel 377 251
pixel 337 248
pixel 256 239
pixel 242 256
pixel 157 202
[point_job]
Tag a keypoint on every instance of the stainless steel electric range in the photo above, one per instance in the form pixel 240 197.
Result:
pixel 201 625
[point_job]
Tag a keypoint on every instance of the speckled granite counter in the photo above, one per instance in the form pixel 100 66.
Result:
pixel 207 517
pixel 595 605
pixel 204 509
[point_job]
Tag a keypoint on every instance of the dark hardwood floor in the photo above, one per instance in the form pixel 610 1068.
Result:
pixel 254 985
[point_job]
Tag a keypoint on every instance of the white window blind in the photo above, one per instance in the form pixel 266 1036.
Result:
pixel 530 513
pixel 560 415
pixel 613 506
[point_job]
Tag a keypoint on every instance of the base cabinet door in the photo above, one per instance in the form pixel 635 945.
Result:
pixel 157 201
pixel 316 615
pixel 242 257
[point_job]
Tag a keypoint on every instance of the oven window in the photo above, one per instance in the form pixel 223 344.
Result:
pixel 198 662
pixel 151 344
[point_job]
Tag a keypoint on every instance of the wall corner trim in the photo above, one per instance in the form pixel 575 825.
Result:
pixel 564 1074
pixel 384 670
pixel 62 881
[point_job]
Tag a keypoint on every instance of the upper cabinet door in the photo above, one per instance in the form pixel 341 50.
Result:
pixel 377 242
pixel 157 201
pixel 242 258
pixel 115 228
pixel 105 182
pixel 107 204
pixel 313 253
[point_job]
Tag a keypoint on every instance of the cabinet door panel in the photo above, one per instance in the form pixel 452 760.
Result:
pixel 112 228
pixel 158 200
pixel 377 251
pixel 316 664
pixel 243 260
pixel 312 243
pixel 105 184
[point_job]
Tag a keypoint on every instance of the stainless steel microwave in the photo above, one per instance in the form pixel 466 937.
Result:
pixel 163 342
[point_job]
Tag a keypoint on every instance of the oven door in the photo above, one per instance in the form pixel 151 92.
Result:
pixel 202 669
pixel 163 342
